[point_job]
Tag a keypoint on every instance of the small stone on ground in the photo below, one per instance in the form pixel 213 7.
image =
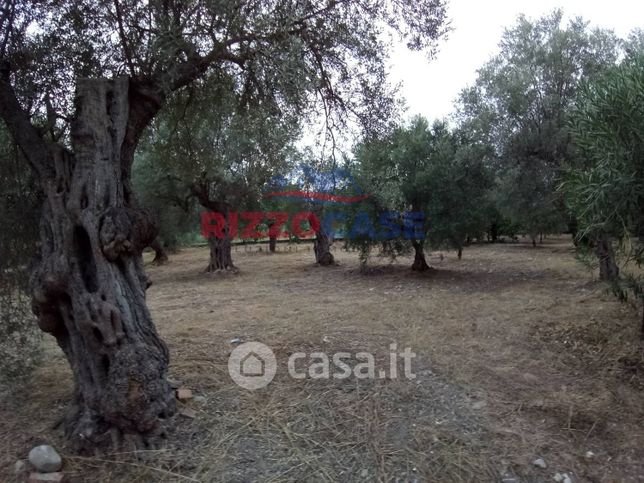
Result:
pixel 183 394
pixel 45 459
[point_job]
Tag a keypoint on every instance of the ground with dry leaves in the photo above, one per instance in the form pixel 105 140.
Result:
pixel 521 355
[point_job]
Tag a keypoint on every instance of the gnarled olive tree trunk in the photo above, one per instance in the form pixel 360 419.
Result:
pixel 89 283
pixel 220 254
pixel 420 264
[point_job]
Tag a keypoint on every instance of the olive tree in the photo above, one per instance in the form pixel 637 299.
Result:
pixel 520 104
pixel 81 80
pixel 430 171
pixel 606 192
pixel 218 152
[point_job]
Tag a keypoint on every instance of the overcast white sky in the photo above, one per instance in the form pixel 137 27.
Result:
pixel 430 87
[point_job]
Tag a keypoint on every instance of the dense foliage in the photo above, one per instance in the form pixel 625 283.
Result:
pixel 520 105
pixel 606 192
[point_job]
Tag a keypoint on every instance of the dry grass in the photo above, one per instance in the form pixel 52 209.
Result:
pixel 526 331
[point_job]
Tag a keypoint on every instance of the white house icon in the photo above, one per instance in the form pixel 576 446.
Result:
pixel 252 365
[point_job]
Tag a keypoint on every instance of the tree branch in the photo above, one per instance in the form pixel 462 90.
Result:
pixel 124 43
pixel 23 131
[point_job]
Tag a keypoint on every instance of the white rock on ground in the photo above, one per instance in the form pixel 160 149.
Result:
pixel 540 462
pixel 562 478
pixel 45 459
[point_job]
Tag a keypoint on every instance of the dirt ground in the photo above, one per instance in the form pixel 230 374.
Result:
pixel 521 355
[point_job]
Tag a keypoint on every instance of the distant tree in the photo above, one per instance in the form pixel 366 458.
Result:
pixel 459 185
pixel 89 284
pixel 634 45
pixel 426 170
pixel 220 157
pixel 394 170
pixel 519 105
pixel 606 192
pixel 173 219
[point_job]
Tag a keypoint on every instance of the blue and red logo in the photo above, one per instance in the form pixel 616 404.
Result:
pixel 308 186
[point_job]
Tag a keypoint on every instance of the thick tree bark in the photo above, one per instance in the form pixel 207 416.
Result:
pixel 420 264
pixel 272 244
pixel 322 248
pixel 608 269
pixel 220 245
pixel 89 283
pixel 160 255
pixel 220 254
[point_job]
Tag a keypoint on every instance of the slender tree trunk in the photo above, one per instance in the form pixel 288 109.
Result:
pixel 160 255
pixel 420 264
pixel 89 284
pixel 272 244
pixel 322 248
pixel 460 252
pixel 608 269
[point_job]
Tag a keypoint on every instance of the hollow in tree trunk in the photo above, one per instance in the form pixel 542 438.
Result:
pixel 89 284
pixel 160 255
pixel 420 264
pixel 608 269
